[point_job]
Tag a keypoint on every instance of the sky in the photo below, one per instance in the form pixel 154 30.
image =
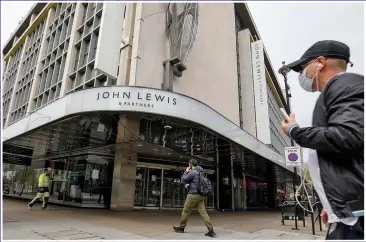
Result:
pixel 11 14
pixel 287 30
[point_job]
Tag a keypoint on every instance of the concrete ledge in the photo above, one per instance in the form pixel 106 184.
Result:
pixel 58 202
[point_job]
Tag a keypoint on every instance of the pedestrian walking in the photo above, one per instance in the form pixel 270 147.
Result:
pixel 43 190
pixel 194 199
pixel 336 140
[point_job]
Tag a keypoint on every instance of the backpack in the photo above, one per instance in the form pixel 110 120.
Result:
pixel 205 185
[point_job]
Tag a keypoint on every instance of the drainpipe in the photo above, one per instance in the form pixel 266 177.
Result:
pixel 135 43
pixel 130 40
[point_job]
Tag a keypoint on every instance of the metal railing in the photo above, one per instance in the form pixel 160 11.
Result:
pixel 291 210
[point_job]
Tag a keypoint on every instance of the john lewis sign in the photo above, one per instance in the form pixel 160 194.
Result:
pixel 137 99
pixel 260 93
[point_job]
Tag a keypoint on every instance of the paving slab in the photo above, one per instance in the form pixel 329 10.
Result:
pixel 64 223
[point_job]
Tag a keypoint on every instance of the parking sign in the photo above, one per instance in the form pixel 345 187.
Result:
pixel 293 156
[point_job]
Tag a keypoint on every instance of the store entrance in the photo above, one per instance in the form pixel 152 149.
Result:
pixel 162 187
pixel 174 191
pixel 257 193
pixel 148 186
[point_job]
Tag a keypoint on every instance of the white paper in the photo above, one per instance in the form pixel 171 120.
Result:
pixel 153 178
pixel 95 174
pixel 225 180
pixel 100 127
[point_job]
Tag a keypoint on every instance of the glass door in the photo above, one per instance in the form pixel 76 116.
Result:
pixel 140 186
pixel 257 193
pixel 153 187
pixel 211 199
pixel 148 187
pixel 239 194
pixel 174 191
pixel 162 187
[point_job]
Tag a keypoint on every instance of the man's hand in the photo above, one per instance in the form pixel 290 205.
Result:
pixel 324 216
pixel 187 185
pixel 188 169
pixel 41 189
pixel 287 124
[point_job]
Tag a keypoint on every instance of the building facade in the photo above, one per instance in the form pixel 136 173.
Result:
pixel 83 93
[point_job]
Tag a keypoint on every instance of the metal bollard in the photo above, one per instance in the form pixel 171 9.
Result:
pixel 296 228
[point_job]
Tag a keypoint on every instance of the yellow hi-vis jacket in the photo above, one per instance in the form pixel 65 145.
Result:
pixel 44 180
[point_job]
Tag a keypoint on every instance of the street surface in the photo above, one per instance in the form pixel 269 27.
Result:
pixel 65 223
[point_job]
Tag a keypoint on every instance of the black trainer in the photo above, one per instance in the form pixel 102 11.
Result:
pixel 178 229
pixel 210 233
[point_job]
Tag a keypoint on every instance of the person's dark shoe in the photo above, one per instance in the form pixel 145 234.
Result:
pixel 210 233
pixel 178 229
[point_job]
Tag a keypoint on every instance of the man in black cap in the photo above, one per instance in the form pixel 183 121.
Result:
pixel 336 140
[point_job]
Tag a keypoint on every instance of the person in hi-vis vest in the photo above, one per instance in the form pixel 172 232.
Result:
pixel 43 189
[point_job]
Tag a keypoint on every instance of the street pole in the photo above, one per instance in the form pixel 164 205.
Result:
pixel 284 71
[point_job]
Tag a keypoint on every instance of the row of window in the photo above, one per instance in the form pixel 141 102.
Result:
pixel 52 74
pixel 277 118
pixel 22 97
pixel 11 70
pixel 59 33
pixel 34 39
pixel 27 71
pixel 278 130
pixel 9 78
pixel 83 75
pixel 53 62
pixel 62 10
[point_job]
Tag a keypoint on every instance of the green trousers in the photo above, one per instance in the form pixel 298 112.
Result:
pixel 195 201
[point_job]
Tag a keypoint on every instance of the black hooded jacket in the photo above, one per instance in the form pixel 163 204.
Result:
pixel 338 137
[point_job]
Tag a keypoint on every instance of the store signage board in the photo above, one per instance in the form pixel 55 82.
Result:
pixel 142 100
pixel 260 92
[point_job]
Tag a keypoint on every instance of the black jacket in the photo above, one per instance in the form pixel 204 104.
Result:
pixel 338 137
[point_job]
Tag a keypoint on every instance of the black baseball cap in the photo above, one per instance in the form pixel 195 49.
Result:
pixel 327 48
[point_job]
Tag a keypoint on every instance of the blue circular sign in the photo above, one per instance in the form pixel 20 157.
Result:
pixel 293 157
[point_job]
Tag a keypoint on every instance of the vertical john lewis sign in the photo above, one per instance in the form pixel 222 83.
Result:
pixel 260 93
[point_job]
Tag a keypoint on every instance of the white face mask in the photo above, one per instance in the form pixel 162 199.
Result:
pixel 307 83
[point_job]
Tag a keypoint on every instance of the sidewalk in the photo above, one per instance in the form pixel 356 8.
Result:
pixel 64 223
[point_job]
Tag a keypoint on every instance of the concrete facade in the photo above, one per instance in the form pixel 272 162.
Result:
pixel 70 54
pixel 212 63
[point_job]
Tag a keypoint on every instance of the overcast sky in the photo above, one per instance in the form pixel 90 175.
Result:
pixel 11 14
pixel 287 30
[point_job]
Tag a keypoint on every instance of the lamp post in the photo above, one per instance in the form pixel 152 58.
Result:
pixel 284 71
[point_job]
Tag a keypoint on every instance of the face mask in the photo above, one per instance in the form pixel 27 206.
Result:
pixel 307 83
